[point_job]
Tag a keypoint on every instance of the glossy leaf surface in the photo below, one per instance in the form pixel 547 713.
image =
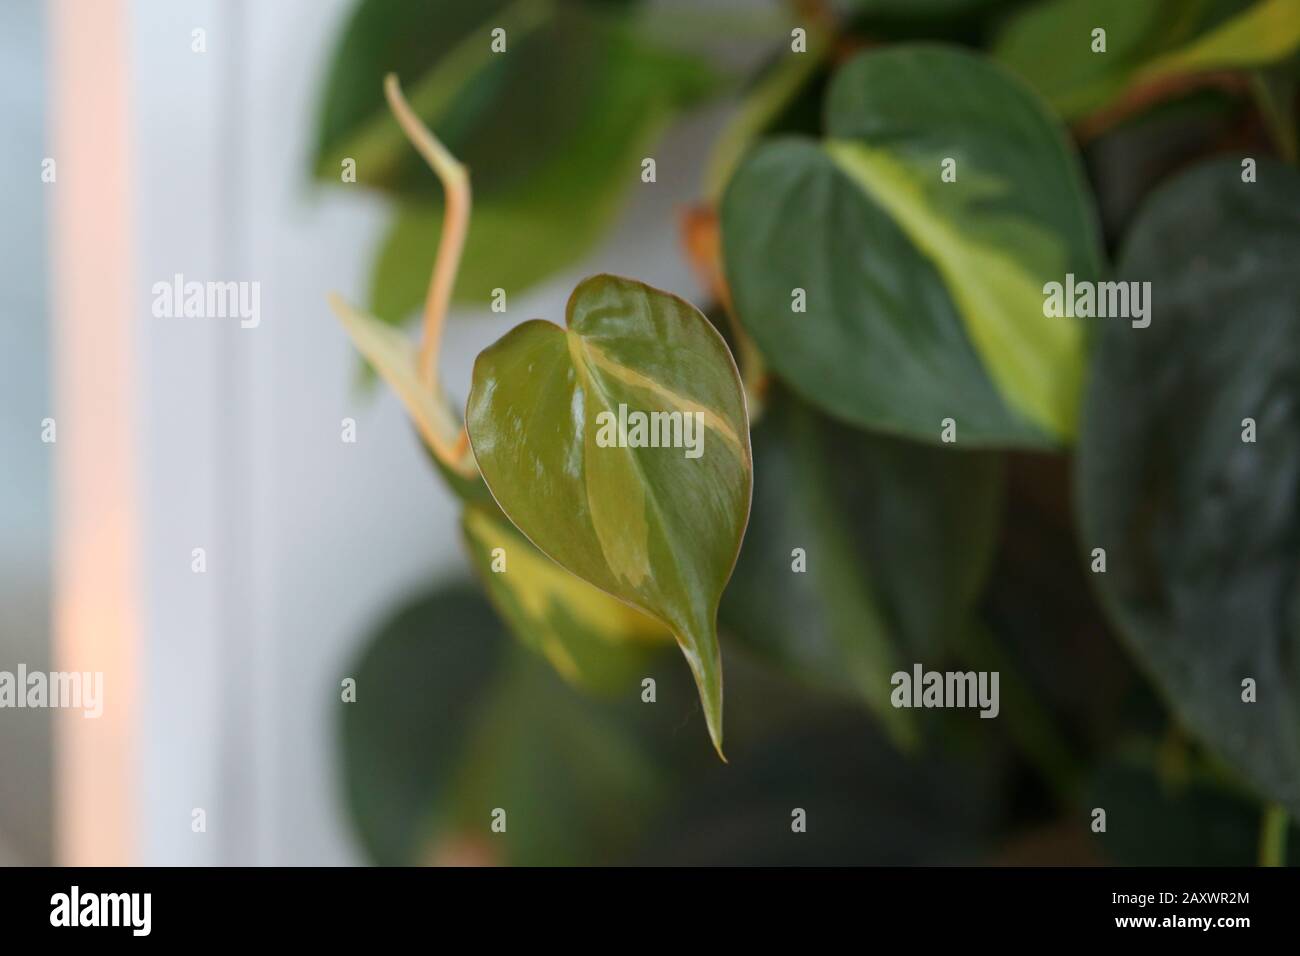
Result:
pixel 589 637
pixel 553 419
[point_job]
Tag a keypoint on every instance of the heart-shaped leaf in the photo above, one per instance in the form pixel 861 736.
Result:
pixel 620 446
pixel 589 637
pixel 894 299
pixel 1197 508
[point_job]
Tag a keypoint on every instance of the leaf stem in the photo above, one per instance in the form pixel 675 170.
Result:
pixel 451 448
pixel 1272 836
pixel 455 224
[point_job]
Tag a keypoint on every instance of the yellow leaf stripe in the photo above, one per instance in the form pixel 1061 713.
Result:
pixel 634 379
pixel 1036 362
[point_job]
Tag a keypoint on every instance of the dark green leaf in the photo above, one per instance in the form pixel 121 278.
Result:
pixel 1202 529
pixel 420 685
pixel 924 298
pixel 577 788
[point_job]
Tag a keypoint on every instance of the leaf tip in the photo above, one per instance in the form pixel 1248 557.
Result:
pixel 715 733
pixel 713 718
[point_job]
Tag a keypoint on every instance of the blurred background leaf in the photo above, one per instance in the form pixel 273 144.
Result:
pixel 549 161
pixel 1147 42
pixel 934 287
pixel 421 681
pixel 452 722
pixel 1201 527
pixel 897 538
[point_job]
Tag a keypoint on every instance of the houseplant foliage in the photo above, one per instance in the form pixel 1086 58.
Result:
pixel 907 458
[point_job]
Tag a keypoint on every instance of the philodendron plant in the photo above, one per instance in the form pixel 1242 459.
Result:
pixel 1011 288
pixel 616 445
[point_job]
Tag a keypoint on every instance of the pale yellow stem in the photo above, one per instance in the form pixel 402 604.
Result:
pixel 455 225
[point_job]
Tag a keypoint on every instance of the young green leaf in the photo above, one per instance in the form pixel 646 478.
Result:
pixel 893 275
pixel 1189 464
pixel 590 637
pixel 620 446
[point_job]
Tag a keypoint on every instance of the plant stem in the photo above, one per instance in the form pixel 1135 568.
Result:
pixel 1272 836
pixel 452 450
pixel 455 224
